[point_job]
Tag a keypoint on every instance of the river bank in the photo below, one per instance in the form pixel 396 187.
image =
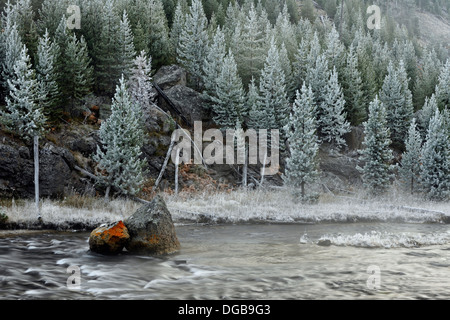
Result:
pixel 235 207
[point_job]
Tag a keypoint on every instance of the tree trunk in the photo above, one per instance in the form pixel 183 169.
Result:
pixel 108 189
pixel 244 169
pixel 263 169
pixel 36 175
pixel 303 190
pixel 177 160
pixel 163 168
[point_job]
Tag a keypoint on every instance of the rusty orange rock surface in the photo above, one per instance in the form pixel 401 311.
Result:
pixel 109 239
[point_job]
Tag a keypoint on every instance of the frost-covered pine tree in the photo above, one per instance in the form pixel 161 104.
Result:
pixel 193 42
pixel 253 105
pixel 122 137
pixel 409 171
pixel 317 77
pixel 332 123
pixel 11 46
pixel 177 25
pixel 435 168
pixel 140 81
pixel 212 65
pixel 288 73
pixel 286 33
pixel 352 87
pixel 302 165
pixel 22 113
pixel 426 80
pixel 376 155
pixel 154 22
pixel 397 99
pixel 443 87
pixel 125 50
pixel 228 100
pixel 272 88
pixel 250 55
pixel 47 76
pixel 335 50
pixel 426 113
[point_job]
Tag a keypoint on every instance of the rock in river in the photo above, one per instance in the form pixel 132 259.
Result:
pixel 151 229
pixel 109 239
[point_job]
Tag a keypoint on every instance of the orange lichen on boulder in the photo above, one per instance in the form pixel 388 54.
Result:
pixel 109 239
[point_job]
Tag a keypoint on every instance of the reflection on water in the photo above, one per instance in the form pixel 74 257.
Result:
pixel 234 262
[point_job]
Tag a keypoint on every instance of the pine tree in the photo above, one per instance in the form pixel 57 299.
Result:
pixel 140 84
pixel 335 50
pixel 106 52
pixel 435 168
pixel 286 33
pixel 409 170
pixel 77 70
pixel 352 87
pixel 46 72
pixel 177 26
pixel 193 42
pixel 443 87
pixel 50 14
pixel 251 51
pixel 397 99
pixel 22 113
pixel 121 137
pixel 308 11
pixel 427 78
pixel 253 105
pixel 228 100
pixel 302 165
pixel 154 22
pixel 363 45
pixel 22 15
pixel 11 45
pixel 332 123
pixel 272 87
pixel 126 50
pixel 288 73
pixel 426 113
pixel 376 155
pixel 212 65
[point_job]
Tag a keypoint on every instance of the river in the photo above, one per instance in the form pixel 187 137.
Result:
pixel 239 261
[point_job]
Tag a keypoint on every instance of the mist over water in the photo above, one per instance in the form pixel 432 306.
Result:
pixel 239 261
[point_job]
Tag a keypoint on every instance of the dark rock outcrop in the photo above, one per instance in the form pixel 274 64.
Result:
pixel 188 101
pixel 169 76
pixel 17 170
pixel 151 230
pixel 109 239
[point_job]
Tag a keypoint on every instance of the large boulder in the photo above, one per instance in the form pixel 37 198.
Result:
pixel 188 101
pixel 169 76
pixel 151 230
pixel 109 238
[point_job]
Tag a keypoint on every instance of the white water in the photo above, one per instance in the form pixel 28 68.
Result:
pixel 241 261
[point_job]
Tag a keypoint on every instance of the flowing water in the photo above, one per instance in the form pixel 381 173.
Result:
pixel 243 261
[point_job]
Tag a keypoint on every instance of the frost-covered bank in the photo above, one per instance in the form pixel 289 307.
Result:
pixel 280 206
pixel 240 206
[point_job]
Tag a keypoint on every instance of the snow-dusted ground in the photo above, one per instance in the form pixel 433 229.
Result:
pixel 243 207
pixel 279 206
